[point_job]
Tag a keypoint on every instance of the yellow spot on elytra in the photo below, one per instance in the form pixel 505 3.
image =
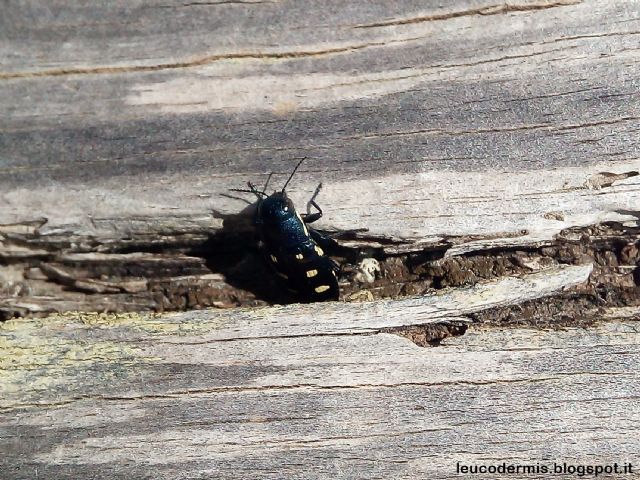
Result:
pixel 322 288
pixel 299 256
pixel 274 259
pixel 312 273
pixel 319 251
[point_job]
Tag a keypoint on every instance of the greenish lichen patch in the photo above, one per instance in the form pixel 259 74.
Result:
pixel 38 358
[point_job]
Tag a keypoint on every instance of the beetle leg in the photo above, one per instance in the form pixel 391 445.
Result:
pixel 321 239
pixel 328 245
pixel 252 189
pixel 255 191
pixel 312 217
pixel 336 266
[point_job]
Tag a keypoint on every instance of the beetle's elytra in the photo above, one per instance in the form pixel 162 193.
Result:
pixel 291 247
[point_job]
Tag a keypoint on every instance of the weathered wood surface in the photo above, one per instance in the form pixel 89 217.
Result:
pixel 423 119
pixel 228 394
pixel 453 127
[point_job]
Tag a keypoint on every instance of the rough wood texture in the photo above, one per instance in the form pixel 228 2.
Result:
pixel 308 392
pixel 455 127
pixel 475 140
pixel 422 119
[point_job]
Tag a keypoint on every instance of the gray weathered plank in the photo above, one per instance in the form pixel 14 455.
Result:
pixel 404 102
pixel 372 406
pixel 38 343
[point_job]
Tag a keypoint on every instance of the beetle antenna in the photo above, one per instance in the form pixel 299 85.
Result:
pixel 252 189
pixel 293 173
pixel 266 184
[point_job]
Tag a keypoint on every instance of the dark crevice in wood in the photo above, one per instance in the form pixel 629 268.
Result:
pixel 557 312
pixel 431 334
pixel 172 271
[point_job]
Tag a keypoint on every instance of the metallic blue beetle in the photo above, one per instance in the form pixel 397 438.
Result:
pixel 291 248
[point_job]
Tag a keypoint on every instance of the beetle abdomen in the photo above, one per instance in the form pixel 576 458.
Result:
pixel 310 274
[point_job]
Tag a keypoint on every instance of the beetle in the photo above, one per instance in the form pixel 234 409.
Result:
pixel 291 247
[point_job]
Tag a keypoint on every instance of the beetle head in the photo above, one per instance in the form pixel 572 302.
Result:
pixel 276 208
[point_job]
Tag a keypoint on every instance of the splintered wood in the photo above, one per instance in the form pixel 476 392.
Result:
pixel 253 393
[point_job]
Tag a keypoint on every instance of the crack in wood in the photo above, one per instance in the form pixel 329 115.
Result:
pixel 213 4
pixel 203 392
pixel 607 179
pixel 264 55
pixel 594 35
pixel 542 126
pixel 197 62
pixel 56 273
pixel 496 9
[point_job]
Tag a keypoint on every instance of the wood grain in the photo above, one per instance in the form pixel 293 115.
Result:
pixel 469 130
pixel 225 394
pixel 422 119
